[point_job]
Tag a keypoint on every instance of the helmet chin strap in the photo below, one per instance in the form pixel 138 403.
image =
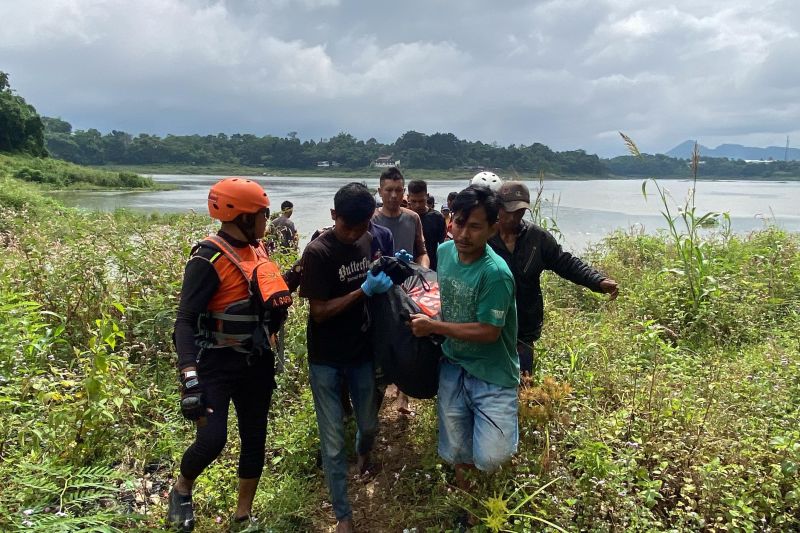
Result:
pixel 248 230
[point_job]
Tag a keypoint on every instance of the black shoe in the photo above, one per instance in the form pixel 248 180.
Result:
pixel 180 514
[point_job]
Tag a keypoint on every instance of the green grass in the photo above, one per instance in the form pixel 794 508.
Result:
pixel 654 412
pixel 56 174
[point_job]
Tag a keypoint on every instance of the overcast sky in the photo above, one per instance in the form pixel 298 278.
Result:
pixel 567 73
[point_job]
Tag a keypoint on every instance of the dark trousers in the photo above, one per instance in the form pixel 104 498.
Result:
pixel 525 352
pixel 225 376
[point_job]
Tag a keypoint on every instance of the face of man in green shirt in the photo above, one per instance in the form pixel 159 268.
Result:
pixel 471 233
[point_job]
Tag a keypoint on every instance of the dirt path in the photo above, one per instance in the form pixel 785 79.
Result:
pixel 397 497
pixel 387 500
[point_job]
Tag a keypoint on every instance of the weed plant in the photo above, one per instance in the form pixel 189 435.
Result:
pixel 654 412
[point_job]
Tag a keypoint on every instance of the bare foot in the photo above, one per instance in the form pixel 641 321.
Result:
pixel 402 404
pixel 345 526
pixel 464 476
pixel 362 462
pixel 366 467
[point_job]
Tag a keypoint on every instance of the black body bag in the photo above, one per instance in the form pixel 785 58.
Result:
pixel 411 363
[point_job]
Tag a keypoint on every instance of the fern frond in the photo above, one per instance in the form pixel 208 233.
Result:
pixel 101 523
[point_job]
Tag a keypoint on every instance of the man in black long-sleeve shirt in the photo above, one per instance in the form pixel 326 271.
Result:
pixel 530 250
pixel 434 228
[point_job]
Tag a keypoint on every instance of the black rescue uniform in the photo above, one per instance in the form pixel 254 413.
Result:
pixel 225 374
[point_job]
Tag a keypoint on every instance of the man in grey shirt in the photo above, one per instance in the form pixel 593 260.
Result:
pixel 284 229
pixel 406 228
pixel 404 224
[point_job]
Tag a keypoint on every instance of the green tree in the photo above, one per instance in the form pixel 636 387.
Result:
pixel 63 146
pixel 90 143
pixel 56 125
pixel 115 146
pixel 410 140
pixel 21 128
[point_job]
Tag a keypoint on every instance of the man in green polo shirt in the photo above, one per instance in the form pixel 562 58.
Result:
pixel 479 376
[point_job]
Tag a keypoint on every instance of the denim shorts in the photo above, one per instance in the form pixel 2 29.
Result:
pixel 477 419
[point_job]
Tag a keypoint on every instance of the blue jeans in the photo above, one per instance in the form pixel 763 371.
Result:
pixel 326 386
pixel 477 419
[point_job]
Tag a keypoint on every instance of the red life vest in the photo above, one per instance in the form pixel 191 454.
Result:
pixel 251 302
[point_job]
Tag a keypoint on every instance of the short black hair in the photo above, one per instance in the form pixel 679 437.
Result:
pixel 391 173
pixel 451 196
pixel 354 203
pixel 431 200
pixel 476 196
pixel 286 204
pixel 417 186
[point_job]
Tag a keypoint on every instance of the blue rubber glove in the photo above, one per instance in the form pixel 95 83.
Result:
pixel 404 256
pixel 376 284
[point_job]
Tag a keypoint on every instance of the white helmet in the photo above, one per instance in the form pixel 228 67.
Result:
pixel 487 179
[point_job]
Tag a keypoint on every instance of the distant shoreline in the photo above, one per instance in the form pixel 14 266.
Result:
pixel 411 173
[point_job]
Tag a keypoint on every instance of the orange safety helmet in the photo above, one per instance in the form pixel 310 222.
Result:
pixel 230 197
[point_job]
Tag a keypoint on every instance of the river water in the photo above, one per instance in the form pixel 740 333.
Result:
pixel 585 211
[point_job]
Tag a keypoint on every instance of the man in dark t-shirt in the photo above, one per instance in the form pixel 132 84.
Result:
pixel 382 244
pixel 336 280
pixel 434 229
pixel 382 240
pixel 330 271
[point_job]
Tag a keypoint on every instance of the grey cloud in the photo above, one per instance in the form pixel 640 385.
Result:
pixel 568 73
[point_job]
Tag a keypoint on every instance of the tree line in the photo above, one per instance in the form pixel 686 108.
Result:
pixel 413 149
pixel 661 165
pixel 23 130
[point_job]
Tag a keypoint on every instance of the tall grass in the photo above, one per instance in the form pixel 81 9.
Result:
pixel 62 174
pixel 654 415
pixel 685 231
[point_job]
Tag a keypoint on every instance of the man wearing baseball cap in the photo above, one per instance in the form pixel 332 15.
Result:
pixel 529 250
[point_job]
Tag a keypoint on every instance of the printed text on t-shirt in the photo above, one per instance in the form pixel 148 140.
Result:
pixel 354 270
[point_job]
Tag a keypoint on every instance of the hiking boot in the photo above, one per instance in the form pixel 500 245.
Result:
pixel 246 523
pixel 180 514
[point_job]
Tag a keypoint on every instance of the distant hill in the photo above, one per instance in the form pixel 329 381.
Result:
pixel 736 151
